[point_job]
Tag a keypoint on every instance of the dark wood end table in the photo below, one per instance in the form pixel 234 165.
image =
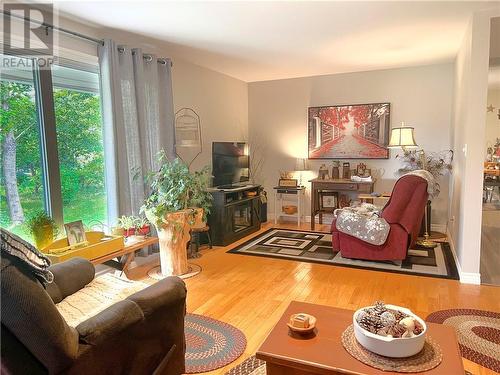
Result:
pixel 324 353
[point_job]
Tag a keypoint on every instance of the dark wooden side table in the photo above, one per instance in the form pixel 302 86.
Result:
pixel 336 185
pixel 324 354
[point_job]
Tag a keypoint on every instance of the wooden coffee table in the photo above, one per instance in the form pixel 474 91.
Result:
pixel 323 353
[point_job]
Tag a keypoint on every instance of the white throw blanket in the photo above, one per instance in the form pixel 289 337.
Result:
pixel 101 293
pixel 432 185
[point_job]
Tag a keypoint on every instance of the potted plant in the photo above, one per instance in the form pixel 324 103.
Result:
pixel 199 198
pixel 173 189
pixel 127 223
pixel 43 229
pixel 142 226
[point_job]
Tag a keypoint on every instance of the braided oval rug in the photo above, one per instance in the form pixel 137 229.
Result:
pixel 210 343
pixel 478 333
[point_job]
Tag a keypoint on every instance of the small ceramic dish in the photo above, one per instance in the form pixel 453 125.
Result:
pixel 312 324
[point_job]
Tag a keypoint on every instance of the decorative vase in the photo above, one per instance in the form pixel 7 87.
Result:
pixel 173 237
pixel 335 173
pixel 43 236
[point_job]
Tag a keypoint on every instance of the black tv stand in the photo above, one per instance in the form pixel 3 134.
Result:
pixel 235 213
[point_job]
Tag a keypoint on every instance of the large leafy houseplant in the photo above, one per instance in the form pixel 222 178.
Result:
pixel 174 193
pixel 174 188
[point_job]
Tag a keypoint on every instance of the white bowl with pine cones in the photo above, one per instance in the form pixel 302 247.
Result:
pixel 389 330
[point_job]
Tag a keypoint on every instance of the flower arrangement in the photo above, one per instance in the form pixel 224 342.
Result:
pixel 436 163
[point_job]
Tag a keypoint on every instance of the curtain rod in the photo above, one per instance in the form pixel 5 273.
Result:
pixel 148 57
pixel 60 29
pixel 73 33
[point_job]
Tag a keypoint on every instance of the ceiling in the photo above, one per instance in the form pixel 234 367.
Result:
pixel 259 40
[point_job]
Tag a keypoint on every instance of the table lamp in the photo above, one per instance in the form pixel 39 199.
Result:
pixel 402 137
pixel 300 166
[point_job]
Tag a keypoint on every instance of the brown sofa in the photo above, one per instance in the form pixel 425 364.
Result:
pixel 142 334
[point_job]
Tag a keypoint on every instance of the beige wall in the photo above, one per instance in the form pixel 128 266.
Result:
pixel 468 137
pixel 421 96
pixel 220 101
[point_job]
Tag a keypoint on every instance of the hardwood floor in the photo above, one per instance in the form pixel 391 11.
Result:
pixel 490 245
pixel 252 292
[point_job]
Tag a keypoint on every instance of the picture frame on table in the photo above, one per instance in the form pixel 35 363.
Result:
pixel 328 200
pixel 75 232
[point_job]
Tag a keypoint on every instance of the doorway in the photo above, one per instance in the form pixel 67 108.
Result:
pixel 490 233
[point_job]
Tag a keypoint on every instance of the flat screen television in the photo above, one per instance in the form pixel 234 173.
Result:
pixel 230 163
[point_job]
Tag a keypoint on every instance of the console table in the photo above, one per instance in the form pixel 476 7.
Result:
pixel 336 185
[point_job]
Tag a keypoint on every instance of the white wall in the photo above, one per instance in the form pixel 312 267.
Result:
pixel 420 96
pixel 468 137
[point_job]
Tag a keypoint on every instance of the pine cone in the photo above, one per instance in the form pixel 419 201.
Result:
pixel 380 307
pixel 398 314
pixel 418 328
pixel 371 323
pixel 396 330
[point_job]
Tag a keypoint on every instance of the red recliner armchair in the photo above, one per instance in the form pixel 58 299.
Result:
pixel 404 213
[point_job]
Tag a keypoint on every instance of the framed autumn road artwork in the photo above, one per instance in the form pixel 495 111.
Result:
pixel 359 131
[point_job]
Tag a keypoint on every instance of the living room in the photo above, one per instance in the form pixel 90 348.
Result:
pixel 232 187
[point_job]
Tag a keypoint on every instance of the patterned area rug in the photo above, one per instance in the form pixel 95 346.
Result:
pixel 316 247
pixel 250 366
pixel 478 333
pixel 211 344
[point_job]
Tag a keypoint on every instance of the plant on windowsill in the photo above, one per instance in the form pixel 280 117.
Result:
pixel 175 193
pixel 127 223
pixel 43 229
pixel 142 226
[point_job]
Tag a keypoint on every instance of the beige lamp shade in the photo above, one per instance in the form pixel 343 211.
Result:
pixel 301 164
pixel 402 137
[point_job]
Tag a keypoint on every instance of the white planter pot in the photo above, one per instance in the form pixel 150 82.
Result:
pixel 390 346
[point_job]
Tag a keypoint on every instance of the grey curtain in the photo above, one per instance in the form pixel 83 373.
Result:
pixel 138 121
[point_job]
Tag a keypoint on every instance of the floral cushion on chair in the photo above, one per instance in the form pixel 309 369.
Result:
pixel 363 222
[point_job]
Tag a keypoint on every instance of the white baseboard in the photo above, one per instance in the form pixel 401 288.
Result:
pixel 470 278
pixel 465 277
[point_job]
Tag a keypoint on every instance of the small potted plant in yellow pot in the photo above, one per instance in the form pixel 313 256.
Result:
pixel 43 229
